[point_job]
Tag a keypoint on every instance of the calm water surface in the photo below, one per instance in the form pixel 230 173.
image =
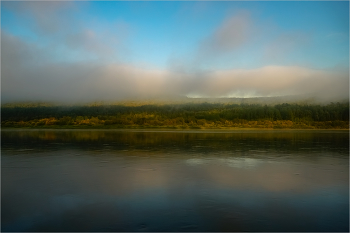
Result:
pixel 105 180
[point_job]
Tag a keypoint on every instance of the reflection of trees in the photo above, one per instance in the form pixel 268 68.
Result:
pixel 203 141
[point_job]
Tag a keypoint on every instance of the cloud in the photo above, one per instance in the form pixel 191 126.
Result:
pixel 15 52
pixel 107 44
pixel 26 77
pixel 230 35
pixel 69 38
pixel 44 17
pixel 235 37
pixel 82 63
pixel 285 44
pixel 275 81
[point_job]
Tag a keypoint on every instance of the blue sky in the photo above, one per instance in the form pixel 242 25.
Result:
pixel 180 37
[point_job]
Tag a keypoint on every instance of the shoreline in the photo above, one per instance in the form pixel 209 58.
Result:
pixel 223 130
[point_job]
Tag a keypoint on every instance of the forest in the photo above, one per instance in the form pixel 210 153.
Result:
pixel 182 116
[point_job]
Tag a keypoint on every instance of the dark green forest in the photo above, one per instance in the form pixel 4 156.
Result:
pixel 186 115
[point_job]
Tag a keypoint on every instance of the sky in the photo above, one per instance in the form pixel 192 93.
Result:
pixel 111 50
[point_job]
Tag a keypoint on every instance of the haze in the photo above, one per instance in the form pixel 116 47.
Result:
pixel 96 51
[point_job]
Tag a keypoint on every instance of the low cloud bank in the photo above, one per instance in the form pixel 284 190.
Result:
pixel 89 82
pixel 29 75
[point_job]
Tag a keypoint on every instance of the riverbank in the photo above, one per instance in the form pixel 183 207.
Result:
pixel 222 129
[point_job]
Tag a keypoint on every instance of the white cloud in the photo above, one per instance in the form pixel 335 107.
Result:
pixel 23 79
pixel 274 80
pixel 45 17
pixel 30 72
pixel 233 32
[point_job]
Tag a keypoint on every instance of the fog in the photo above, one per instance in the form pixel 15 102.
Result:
pixel 39 72
pixel 26 76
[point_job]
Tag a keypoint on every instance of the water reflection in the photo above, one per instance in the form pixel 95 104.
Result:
pixel 173 181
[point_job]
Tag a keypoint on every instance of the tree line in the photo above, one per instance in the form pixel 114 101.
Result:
pixel 207 115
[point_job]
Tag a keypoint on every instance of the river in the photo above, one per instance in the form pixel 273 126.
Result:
pixel 144 180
